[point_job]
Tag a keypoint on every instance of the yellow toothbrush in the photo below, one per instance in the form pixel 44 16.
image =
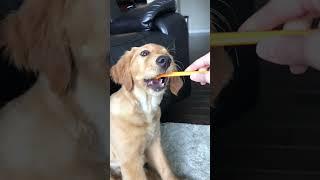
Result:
pixel 180 73
pixel 249 38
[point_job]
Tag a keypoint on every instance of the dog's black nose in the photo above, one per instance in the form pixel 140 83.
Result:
pixel 164 61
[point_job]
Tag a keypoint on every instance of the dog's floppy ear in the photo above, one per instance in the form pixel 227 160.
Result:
pixel 121 73
pixel 176 84
pixel 35 39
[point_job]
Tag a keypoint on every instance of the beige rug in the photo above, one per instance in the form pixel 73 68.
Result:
pixel 187 147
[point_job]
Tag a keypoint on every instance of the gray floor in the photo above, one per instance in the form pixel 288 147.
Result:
pixel 187 146
pixel 188 149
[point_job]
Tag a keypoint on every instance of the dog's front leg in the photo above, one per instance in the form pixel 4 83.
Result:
pixel 158 160
pixel 132 169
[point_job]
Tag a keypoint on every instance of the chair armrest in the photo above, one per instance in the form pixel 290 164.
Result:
pixel 7 6
pixel 175 26
pixel 141 18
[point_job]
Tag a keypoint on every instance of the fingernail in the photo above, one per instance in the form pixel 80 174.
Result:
pixel 244 27
pixel 298 69
pixel 266 49
pixel 192 77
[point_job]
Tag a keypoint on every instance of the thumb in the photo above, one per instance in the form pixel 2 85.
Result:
pixel 292 51
pixel 207 76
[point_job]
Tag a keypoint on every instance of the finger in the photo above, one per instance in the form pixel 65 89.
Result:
pixel 198 78
pixel 297 50
pixel 300 24
pixel 312 50
pixel 203 79
pixel 203 62
pixel 278 12
pixel 195 77
pixel 282 50
pixel 298 69
pixel 207 76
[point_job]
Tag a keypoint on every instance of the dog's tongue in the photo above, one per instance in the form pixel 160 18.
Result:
pixel 156 84
pixel 154 81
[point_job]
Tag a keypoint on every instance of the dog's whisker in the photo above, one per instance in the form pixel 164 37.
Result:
pixel 230 7
pixel 171 50
pixel 225 3
pixel 179 64
pixel 179 68
pixel 218 27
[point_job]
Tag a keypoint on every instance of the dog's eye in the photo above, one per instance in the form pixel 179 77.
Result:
pixel 145 53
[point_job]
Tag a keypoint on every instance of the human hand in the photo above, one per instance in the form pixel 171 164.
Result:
pixel 298 52
pixel 200 64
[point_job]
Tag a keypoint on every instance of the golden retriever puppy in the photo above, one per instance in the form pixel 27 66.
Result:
pixel 57 129
pixel 135 111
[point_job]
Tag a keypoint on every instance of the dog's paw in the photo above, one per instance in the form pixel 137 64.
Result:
pixel 175 178
pixel 183 177
pixel 87 133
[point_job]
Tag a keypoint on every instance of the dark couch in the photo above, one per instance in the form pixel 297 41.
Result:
pixel 158 23
pixel 277 137
pixel 241 93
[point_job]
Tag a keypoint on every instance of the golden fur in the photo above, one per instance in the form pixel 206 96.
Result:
pixel 135 114
pixel 57 129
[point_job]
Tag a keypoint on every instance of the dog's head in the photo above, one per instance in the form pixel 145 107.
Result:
pixel 139 67
pixel 56 37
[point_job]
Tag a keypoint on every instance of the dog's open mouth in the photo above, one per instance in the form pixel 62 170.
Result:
pixel 156 84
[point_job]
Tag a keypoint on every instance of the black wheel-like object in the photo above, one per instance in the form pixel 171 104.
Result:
pixel 240 94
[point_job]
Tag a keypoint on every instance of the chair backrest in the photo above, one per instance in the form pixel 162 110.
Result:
pixel 114 9
pixel 8 5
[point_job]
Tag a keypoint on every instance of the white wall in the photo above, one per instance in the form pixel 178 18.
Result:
pixel 198 12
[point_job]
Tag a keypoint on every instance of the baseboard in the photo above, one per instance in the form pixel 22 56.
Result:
pixel 199 31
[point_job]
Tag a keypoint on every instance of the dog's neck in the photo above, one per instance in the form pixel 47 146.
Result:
pixel 148 103
pixel 91 97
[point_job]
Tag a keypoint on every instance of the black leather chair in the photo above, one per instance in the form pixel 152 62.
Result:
pixel 158 23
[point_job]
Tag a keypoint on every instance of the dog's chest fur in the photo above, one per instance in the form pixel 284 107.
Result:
pixel 148 107
pixel 146 104
pixel 93 102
